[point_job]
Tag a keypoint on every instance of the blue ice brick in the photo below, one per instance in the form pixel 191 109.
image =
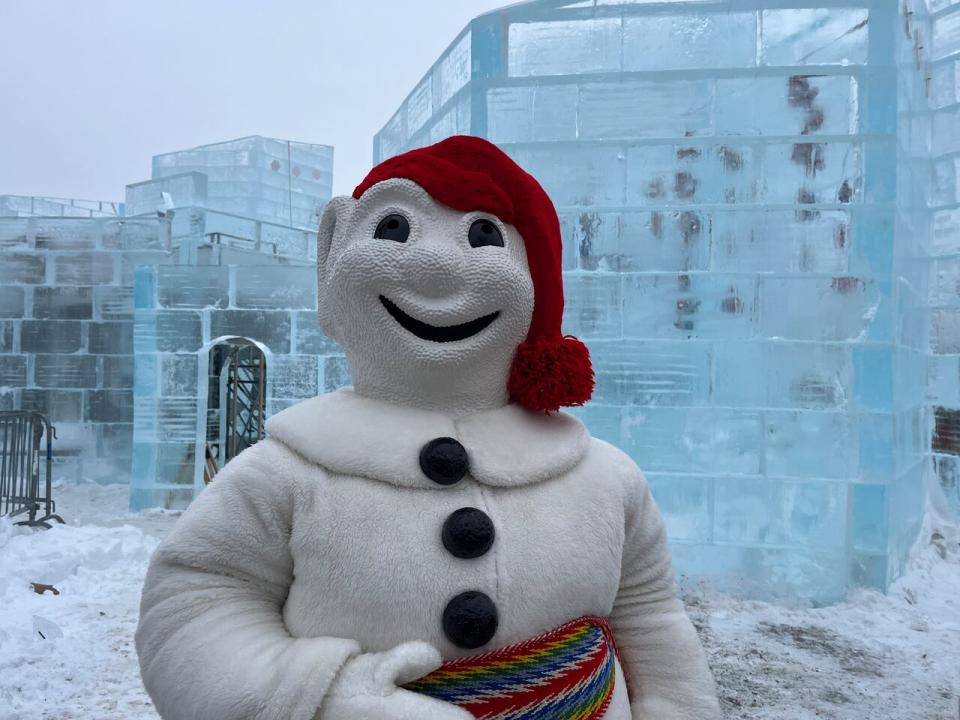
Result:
pixel 690 41
pixel 110 406
pixel 946 471
pixel 183 190
pixel 943 380
pixel 580 176
pixel 592 305
pixel 815 36
pixel 86 269
pixel 145 288
pixel 146 377
pixel 277 287
pixel 685 501
pixel 11 302
pixel 759 240
pixel 869 570
pixel 780 574
pixel 63 303
pixel 696 305
pixel 178 375
pixel 562 47
pixel 117 371
pixel 419 106
pixel 309 339
pixel 661 240
pixel 811 444
pixel 817 308
pixel 603 421
pixel 336 373
pixel 167 331
pixel 691 174
pixel 181 286
pixel 50 336
pixel 768 511
pixel 73 371
pixel 23 268
pixel 810 172
pixel 113 302
pixel 651 372
pixel 782 375
pixel 700 440
pixel 166 420
pixel 868 517
pixel 645 109
pixel 13 370
pixel 270 327
pixel 453 70
pixel 175 463
pixel 946 35
pixel 808 105
pixel 877 442
pixel 294 376
pixel 873 241
pixel 873 373
pixel 510 114
pixel 110 338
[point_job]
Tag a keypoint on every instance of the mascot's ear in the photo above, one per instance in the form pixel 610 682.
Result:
pixel 333 225
pixel 335 216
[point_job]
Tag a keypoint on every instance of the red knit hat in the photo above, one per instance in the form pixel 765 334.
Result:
pixel 469 173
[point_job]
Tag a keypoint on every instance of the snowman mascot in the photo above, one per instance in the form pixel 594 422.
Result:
pixel 437 542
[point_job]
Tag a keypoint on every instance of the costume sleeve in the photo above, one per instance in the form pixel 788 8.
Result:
pixel 664 663
pixel 211 639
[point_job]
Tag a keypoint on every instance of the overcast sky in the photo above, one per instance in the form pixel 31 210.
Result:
pixel 91 89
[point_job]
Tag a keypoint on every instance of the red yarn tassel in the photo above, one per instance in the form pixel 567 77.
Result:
pixel 550 373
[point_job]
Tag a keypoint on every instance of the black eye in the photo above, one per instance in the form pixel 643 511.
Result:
pixel 484 232
pixel 393 227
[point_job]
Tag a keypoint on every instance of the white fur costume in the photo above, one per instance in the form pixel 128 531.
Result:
pixel 309 579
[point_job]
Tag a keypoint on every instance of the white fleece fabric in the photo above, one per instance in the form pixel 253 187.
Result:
pixel 309 579
pixel 286 567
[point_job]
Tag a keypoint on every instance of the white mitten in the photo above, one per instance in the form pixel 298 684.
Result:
pixel 367 688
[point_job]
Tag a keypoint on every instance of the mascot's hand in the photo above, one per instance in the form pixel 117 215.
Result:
pixel 367 688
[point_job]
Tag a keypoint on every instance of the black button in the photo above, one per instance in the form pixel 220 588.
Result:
pixel 444 460
pixel 468 533
pixel 470 619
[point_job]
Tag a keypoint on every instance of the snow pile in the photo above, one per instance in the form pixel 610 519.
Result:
pixel 71 655
pixel 875 657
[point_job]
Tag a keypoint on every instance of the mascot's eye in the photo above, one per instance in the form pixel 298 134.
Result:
pixel 484 232
pixel 393 227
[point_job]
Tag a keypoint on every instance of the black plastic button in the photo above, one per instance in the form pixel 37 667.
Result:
pixel 444 460
pixel 468 533
pixel 470 619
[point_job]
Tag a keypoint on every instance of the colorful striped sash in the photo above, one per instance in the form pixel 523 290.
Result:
pixel 567 673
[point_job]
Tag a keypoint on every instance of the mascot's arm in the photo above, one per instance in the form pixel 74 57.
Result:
pixel 667 673
pixel 211 639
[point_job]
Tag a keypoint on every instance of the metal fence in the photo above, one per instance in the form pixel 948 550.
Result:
pixel 22 462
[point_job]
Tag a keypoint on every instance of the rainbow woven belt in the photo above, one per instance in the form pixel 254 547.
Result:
pixel 566 673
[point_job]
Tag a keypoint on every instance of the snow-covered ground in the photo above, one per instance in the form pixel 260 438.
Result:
pixel 876 657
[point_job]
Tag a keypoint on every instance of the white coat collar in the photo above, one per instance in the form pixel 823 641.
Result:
pixel 353 435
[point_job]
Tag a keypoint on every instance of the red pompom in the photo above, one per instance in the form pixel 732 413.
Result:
pixel 550 373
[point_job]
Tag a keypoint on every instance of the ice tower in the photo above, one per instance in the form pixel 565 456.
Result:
pixel 743 189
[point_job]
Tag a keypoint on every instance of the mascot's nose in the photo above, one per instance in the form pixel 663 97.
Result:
pixel 432 271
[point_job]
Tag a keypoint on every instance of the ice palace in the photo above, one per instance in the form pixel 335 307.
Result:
pixel 761 210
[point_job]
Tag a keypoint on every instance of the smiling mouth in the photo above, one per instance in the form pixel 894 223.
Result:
pixel 437 333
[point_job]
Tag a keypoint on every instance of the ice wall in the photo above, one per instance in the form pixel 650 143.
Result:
pixel 278 181
pixel 66 332
pixel 944 386
pixel 182 312
pixel 741 185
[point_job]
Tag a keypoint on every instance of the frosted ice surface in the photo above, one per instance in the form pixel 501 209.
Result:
pixel 743 202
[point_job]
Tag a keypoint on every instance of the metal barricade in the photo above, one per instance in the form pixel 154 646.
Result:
pixel 22 461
